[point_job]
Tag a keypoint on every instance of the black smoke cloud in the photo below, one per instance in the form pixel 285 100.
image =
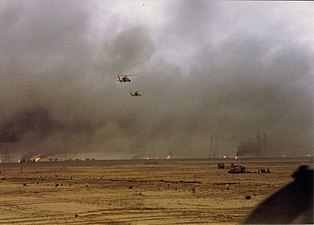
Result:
pixel 39 122
pixel 36 120
pixel 62 80
pixel 247 148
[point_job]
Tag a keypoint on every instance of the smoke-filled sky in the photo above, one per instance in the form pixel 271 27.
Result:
pixel 203 67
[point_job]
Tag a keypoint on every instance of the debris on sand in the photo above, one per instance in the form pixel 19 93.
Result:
pixel 234 168
pixel 237 169
pixel 24 184
pixel 248 197
pixel 181 181
pixel 224 166
pixel 263 170
pixel 227 183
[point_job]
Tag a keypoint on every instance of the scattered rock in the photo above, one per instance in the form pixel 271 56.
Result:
pixel 76 215
pixel 247 197
pixel 130 187
pixel 24 184
pixel 56 185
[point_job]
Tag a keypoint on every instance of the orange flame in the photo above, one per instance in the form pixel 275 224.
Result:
pixel 37 158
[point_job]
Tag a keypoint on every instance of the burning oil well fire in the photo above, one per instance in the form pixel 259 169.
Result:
pixel 35 158
pixel 28 130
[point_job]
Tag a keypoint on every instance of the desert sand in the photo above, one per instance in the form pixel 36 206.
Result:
pixel 137 192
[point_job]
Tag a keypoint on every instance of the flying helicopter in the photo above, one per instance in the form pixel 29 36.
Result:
pixel 123 78
pixel 136 94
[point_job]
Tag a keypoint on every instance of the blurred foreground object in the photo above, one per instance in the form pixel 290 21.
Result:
pixel 291 204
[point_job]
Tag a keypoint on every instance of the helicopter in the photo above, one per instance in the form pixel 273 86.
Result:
pixel 123 78
pixel 136 94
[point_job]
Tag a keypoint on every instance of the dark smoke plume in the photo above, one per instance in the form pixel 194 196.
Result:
pixel 36 120
pixel 39 122
pixel 59 94
pixel 247 148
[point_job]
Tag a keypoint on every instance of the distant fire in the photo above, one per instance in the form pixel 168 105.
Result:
pixel 169 156
pixel 236 157
pixel 37 158
pixel 225 156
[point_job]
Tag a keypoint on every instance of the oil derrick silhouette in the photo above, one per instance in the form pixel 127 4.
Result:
pixel 261 145
pixel 213 146
pixel 6 158
pixel 7 136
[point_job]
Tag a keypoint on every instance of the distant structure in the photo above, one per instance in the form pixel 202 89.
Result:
pixel 264 153
pixel 253 147
pixel 6 158
pixel 213 146
pixel 261 145
pixel 258 146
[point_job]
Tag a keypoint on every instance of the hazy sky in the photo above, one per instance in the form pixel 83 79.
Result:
pixel 231 68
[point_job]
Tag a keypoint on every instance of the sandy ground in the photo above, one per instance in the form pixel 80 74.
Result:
pixel 140 192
